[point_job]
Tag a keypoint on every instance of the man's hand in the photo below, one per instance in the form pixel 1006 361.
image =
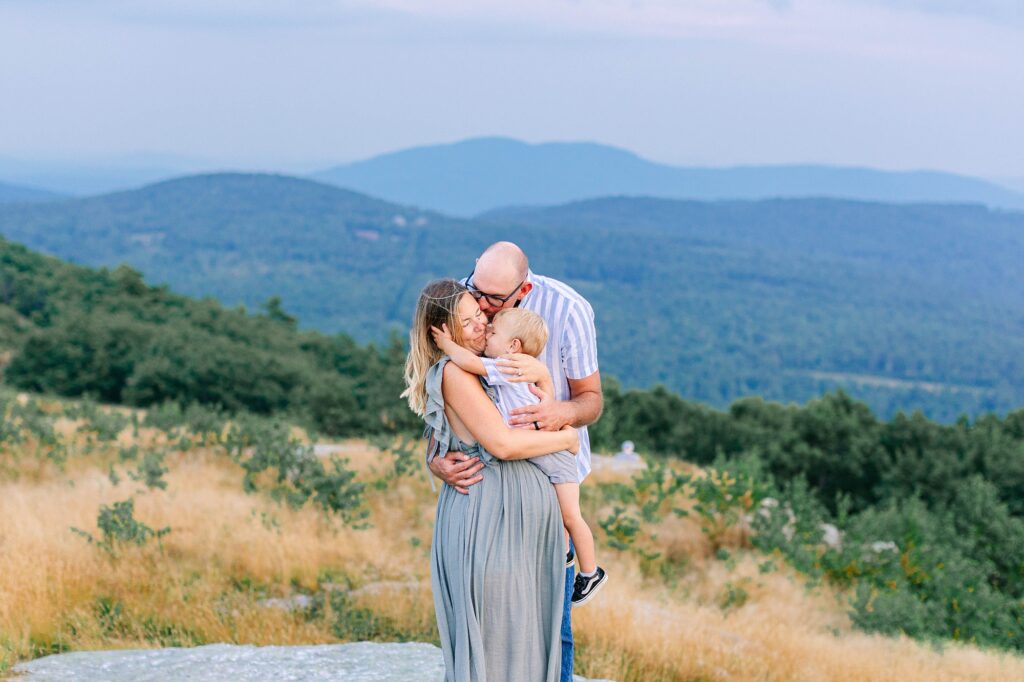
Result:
pixel 522 367
pixel 457 470
pixel 547 415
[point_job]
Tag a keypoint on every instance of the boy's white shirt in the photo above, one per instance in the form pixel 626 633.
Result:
pixel 511 394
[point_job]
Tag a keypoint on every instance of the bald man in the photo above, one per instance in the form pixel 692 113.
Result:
pixel 502 279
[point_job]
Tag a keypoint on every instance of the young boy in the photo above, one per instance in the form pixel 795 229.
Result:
pixel 514 330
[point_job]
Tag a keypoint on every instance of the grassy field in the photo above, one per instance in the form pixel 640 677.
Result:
pixel 228 551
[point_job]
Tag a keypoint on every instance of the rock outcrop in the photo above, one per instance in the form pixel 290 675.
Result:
pixel 354 662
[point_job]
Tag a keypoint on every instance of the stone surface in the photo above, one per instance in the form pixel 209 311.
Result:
pixel 296 602
pixel 355 662
pixel 625 465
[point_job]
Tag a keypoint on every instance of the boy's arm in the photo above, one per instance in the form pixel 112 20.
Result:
pixel 463 357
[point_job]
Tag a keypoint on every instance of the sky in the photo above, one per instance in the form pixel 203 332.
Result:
pixel 893 84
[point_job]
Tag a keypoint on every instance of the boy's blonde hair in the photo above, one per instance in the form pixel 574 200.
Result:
pixel 527 326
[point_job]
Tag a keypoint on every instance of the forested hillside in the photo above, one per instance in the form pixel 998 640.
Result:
pixel 905 307
pixel 928 533
pixel 75 331
pixel 13 194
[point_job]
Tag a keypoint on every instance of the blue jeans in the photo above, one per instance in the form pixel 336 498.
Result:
pixel 567 649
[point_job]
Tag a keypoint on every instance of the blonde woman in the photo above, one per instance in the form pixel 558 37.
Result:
pixel 497 558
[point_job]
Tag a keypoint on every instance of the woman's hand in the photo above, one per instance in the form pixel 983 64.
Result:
pixel 522 367
pixel 575 447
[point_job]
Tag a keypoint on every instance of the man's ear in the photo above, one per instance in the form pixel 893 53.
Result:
pixel 525 289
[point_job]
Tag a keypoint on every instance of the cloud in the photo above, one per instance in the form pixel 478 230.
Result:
pixel 885 31
pixel 997 11
pixel 666 18
pixel 754 20
pixel 698 81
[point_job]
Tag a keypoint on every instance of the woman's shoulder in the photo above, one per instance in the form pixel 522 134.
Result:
pixel 439 365
pixel 458 381
pixel 434 375
pixel 445 374
pixel 454 373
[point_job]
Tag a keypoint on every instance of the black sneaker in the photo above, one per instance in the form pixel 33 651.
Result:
pixel 570 559
pixel 585 588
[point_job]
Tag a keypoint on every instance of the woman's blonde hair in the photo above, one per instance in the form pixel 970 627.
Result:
pixel 438 305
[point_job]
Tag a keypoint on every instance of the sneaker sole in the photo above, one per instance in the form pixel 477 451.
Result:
pixel 597 588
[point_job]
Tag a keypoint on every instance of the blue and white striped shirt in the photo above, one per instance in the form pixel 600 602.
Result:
pixel 571 351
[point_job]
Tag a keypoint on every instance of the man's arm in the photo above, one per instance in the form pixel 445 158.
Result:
pixel 587 399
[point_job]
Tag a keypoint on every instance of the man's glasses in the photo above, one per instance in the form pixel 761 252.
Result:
pixel 493 299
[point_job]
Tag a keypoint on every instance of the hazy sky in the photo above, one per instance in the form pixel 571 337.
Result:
pixel 885 83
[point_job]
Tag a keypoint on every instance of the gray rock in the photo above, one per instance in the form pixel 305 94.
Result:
pixel 355 662
pixel 296 602
pixel 325 449
pixel 360 661
pixel 617 463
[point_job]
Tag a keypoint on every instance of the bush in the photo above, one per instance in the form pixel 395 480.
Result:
pixel 951 572
pixel 119 526
pixel 81 355
pixel 289 470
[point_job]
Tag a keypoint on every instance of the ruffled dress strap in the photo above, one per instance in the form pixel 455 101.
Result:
pixel 438 431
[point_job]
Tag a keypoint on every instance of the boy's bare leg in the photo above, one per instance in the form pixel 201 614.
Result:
pixel 569 502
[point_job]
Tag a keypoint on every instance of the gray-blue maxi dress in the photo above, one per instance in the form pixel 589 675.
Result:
pixel 497 564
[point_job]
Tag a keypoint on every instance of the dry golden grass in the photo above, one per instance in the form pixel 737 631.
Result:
pixel 227 550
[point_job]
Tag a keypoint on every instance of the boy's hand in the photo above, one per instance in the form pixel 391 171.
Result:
pixel 441 336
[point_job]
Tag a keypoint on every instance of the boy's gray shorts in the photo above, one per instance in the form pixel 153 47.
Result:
pixel 559 467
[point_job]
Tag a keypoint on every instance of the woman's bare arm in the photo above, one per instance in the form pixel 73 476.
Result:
pixel 465 396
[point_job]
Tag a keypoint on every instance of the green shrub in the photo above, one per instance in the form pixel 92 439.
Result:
pixel 265 450
pixel 118 526
pixel 954 571
pixel 151 470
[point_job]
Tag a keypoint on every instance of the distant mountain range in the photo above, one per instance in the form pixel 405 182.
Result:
pixel 13 194
pixel 468 177
pixel 906 306
pixel 477 175
pixel 101 175
pixel 1015 184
